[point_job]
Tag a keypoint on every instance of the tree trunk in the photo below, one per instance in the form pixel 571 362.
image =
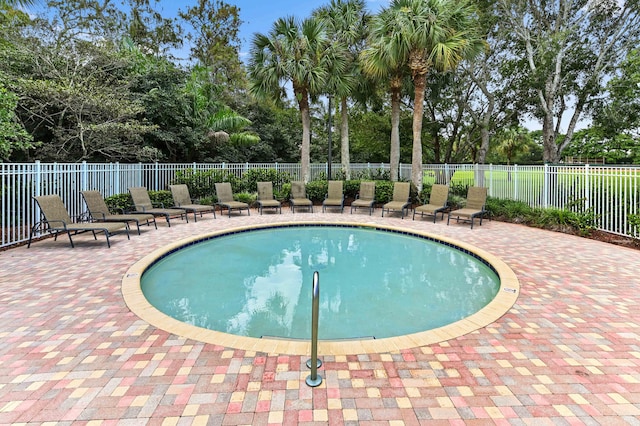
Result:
pixel 305 156
pixel 344 138
pixel 419 82
pixel 394 159
pixel 484 144
pixel 550 149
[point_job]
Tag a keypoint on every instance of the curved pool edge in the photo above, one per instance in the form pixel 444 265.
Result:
pixel 494 310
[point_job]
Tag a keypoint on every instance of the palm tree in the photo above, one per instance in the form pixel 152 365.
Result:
pixel 513 141
pixel 18 3
pixel 427 34
pixel 383 68
pixel 298 53
pixel 346 22
pixel 222 123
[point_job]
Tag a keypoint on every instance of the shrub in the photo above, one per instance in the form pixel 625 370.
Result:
pixel 202 183
pixel 120 203
pixel 251 178
pixel 459 189
pixel 124 203
pixel 510 210
pixel 384 191
pixel 584 218
pixel 316 190
pixel 351 188
pixel 634 224
pixel 284 194
pixel 161 199
pixel 245 197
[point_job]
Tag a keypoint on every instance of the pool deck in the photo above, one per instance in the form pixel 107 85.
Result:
pixel 567 353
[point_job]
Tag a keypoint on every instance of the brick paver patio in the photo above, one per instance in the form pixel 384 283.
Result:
pixel 567 353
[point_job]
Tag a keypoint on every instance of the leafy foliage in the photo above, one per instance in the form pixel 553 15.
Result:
pixel 13 136
pixel 252 177
pixel 124 202
pixel 575 218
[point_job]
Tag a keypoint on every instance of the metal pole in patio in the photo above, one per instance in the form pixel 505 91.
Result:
pixel 314 379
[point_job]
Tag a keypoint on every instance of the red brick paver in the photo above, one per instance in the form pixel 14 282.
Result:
pixel 568 352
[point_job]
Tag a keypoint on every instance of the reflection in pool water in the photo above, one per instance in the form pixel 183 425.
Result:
pixel 372 283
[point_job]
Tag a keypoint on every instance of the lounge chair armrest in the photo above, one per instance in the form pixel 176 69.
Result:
pixel 62 222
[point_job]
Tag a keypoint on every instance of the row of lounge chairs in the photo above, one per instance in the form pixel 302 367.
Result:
pixel 56 219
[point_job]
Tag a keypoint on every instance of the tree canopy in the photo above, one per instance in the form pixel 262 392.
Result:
pixel 117 80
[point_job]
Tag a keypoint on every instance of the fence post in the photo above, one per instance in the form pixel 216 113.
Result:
pixel 515 181
pixel 114 179
pixel 490 180
pixel 587 187
pixel 84 176
pixel 38 182
pixel 545 186
pixel 156 176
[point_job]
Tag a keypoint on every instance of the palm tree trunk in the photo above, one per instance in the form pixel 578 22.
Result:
pixel 305 151
pixel 419 82
pixel 305 157
pixel 344 138
pixel 394 160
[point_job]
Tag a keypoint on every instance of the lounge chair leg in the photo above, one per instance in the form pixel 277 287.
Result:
pixel 70 239
pixel 33 228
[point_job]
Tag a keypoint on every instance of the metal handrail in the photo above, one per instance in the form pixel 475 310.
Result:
pixel 314 379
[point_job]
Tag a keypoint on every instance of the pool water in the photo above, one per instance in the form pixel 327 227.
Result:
pixel 373 283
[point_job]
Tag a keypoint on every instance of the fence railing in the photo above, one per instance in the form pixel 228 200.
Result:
pixel 613 192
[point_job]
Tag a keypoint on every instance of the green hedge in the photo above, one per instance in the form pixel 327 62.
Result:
pixel 201 184
pixel 124 202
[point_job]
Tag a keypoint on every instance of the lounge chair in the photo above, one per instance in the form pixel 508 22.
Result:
pixel 182 200
pixel 437 202
pixel 99 211
pixel 400 199
pixel 266 198
pixel 299 197
pixel 55 219
pixel 335 196
pixel 366 197
pixel 143 204
pixel 225 199
pixel 475 207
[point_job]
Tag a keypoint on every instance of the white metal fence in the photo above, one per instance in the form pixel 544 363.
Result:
pixel 612 192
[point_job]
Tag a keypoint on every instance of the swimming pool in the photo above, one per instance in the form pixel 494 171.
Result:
pixel 360 291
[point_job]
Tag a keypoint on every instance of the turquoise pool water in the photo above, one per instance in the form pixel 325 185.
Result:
pixel 373 283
